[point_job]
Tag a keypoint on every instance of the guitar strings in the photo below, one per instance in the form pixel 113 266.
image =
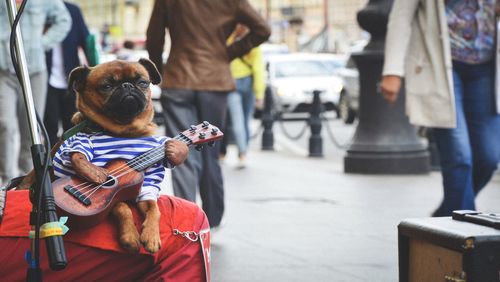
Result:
pixel 144 156
pixel 127 170
pixel 94 189
pixel 126 166
pixel 116 170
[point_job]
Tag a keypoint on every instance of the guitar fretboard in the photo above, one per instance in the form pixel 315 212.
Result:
pixel 149 158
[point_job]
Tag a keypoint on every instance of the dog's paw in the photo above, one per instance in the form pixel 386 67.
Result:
pixel 130 241
pixel 150 239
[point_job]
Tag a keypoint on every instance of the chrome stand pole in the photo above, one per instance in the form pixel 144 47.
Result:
pixel 54 244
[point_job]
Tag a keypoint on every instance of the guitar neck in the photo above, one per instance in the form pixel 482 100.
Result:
pixel 153 156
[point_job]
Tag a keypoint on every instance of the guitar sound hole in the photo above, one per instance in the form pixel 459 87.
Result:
pixel 110 182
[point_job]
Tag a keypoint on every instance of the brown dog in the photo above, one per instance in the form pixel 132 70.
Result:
pixel 116 97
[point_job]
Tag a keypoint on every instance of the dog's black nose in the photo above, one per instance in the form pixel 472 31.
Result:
pixel 127 85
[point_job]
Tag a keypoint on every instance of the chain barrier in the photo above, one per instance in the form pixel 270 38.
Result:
pixel 288 135
pixel 285 131
pixel 331 136
pixel 257 132
pixel 315 120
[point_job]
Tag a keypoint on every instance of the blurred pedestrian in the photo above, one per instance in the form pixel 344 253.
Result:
pixel 105 33
pixel 197 79
pixel 61 60
pixel 248 72
pixel 446 51
pixel 36 40
pixel 126 53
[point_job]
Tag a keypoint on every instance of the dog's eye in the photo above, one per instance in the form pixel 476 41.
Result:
pixel 106 87
pixel 143 83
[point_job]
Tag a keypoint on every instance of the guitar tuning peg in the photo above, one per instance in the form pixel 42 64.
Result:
pixel 201 135
pixel 211 143
pixel 192 128
pixel 198 147
pixel 214 131
pixel 205 124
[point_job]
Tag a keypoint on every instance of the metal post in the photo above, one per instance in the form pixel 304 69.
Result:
pixel 54 244
pixel 25 78
pixel 267 121
pixel 315 141
pixel 384 141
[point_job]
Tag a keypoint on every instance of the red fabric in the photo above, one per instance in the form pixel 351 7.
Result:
pixel 94 254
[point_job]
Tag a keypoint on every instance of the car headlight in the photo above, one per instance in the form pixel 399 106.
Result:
pixel 280 91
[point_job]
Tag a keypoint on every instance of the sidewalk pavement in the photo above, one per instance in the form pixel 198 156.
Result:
pixel 293 218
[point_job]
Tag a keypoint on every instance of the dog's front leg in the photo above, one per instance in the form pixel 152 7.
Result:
pixel 87 170
pixel 150 236
pixel 129 237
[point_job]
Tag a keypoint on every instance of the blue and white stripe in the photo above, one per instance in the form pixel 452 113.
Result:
pixel 100 148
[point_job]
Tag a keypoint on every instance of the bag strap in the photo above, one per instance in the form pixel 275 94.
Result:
pixel 85 125
pixel 246 63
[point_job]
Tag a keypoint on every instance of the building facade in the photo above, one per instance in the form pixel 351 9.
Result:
pixel 294 22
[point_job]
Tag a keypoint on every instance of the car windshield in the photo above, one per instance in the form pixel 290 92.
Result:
pixel 302 68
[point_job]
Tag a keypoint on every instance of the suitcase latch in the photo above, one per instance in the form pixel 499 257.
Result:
pixel 456 277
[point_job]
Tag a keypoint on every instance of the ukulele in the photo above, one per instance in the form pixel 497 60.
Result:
pixel 87 203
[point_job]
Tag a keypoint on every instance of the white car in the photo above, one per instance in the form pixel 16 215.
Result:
pixel 294 77
pixel 349 97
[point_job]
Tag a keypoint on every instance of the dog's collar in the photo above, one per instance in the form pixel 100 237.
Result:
pixel 84 126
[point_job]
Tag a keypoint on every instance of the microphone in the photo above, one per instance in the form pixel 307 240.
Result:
pixel 54 244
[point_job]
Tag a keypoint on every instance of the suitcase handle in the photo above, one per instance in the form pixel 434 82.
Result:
pixel 490 220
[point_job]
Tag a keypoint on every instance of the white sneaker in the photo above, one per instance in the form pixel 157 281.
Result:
pixel 241 162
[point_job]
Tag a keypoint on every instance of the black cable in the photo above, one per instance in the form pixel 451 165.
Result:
pixel 16 66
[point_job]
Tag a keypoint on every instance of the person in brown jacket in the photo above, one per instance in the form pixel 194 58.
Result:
pixel 197 79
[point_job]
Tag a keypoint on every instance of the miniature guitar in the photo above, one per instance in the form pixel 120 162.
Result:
pixel 87 203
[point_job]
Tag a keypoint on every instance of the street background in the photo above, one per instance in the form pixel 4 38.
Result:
pixel 290 217
pixel 294 218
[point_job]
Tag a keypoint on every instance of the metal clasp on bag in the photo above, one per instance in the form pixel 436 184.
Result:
pixel 456 277
pixel 190 235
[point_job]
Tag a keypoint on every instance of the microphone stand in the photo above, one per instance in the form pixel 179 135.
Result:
pixel 54 244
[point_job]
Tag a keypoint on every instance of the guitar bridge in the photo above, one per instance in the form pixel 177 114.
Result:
pixel 77 194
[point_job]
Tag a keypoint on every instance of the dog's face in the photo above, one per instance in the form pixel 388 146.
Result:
pixel 118 90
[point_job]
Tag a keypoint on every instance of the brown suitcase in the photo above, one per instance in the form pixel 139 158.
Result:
pixel 463 248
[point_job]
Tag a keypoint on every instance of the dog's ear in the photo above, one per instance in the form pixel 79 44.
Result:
pixel 154 74
pixel 77 78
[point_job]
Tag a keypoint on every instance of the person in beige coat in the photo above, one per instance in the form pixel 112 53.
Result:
pixel 445 50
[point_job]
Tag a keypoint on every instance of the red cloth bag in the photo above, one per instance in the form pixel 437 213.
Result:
pixel 94 254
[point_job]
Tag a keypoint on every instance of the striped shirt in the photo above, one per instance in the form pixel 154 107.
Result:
pixel 100 148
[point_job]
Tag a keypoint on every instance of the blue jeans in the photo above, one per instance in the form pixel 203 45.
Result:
pixel 470 152
pixel 241 105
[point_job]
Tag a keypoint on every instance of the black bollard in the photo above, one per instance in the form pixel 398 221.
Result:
pixel 315 141
pixel 384 141
pixel 267 121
